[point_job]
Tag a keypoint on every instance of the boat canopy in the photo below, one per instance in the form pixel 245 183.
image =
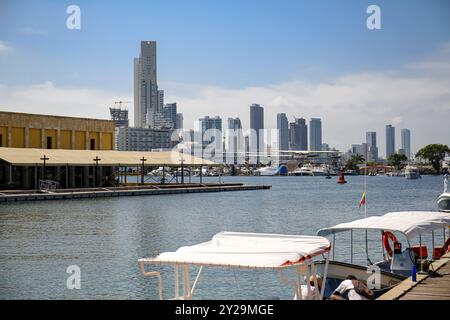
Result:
pixel 410 223
pixel 247 250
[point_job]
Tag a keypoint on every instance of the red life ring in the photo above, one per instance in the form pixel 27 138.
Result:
pixel 386 236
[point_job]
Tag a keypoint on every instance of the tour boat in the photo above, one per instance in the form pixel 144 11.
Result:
pixel 412 172
pixel 247 251
pixel 396 264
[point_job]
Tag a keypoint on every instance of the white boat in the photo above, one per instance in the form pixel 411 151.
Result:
pixel 305 170
pixel 271 171
pixel 444 199
pixel 396 264
pixel 412 172
pixel 247 251
pixel 161 171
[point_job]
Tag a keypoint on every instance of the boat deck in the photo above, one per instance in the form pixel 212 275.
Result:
pixel 426 287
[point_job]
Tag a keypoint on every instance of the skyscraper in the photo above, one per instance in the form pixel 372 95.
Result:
pixel 170 112
pixel 315 134
pixel 390 140
pixel 283 131
pixel 179 124
pixel 298 135
pixel 257 124
pixel 160 100
pixel 372 149
pixel 146 97
pixel 210 129
pixel 406 142
pixel 235 140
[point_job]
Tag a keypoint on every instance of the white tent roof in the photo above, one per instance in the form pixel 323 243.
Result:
pixel 410 223
pixel 247 250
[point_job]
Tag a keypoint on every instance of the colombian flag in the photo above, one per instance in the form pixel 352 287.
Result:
pixel 363 200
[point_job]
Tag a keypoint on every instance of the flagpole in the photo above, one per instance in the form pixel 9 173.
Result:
pixel 365 204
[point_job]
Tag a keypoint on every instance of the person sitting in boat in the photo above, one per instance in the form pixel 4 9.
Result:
pixel 352 289
pixel 314 294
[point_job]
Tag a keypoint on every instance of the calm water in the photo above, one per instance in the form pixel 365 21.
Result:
pixel 105 237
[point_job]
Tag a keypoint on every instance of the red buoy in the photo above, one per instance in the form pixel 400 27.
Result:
pixel 341 178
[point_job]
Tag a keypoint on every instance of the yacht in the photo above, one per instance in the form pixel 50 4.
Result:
pixel 305 170
pixel 412 172
pixel 271 171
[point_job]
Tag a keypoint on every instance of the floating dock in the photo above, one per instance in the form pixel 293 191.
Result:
pixel 30 195
pixel 426 287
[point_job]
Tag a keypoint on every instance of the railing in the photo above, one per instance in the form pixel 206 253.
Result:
pixel 48 185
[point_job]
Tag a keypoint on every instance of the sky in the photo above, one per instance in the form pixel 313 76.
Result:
pixel 304 58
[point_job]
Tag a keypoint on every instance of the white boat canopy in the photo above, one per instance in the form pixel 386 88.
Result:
pixel 248 250
pixel 410 223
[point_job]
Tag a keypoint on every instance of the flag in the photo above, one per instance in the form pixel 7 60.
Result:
pixel 363 200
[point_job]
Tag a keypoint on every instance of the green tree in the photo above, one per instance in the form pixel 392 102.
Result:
pixel 397 160
pixel 352 163
pixel 434 153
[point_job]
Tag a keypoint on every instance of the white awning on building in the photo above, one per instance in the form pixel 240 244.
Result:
pixel 410 223
pixel 61 157
pixel 247 250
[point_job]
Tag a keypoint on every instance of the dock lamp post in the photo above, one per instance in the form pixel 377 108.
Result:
pixel 45 158
pixel 182 167
pixel 142 169
pixel 96 159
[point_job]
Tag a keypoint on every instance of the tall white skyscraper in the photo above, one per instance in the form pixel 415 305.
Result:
pixel 146 97
pixel 315 134
pixel 406 142
pixel 390 140
pixel 257 124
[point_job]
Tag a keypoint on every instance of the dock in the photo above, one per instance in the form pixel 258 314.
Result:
pixel 161 189
pixel 426 287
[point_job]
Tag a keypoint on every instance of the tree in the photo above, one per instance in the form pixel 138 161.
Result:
pixel 397 160
pixel 434 153
pixel 354 161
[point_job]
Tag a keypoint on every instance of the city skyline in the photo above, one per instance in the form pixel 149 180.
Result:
pixel 70 74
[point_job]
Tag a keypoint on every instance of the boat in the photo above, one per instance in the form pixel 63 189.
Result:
pixel 305 170
pixel 412 172
pixel 444 199
pixel 396 265
pixel 271 171
pixel 247 251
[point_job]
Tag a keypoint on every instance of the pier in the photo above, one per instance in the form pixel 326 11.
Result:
pixel 426 287
pixel 156 189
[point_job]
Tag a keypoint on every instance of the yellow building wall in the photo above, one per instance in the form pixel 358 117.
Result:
pixel 96 137
pixel 34 138
pixel 66 139
pixel 52 134
pixel 4 133
pixel 107 141
pixel 18 137
pixel 80 140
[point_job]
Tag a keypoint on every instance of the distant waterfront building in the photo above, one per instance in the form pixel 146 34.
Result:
pixel 372 149
pixel 359 149
pixel 283 131
pixel 119 116
pixel 235 140
pixel 257 124
pixel 179 124
pixel 390 140
pixel 170 112
pixel 143 139
pixel 315 134
pixel 146 94
pixel 160 100
pixel 211 129
pixel 406 142
pixel 298 135
pixel 325 147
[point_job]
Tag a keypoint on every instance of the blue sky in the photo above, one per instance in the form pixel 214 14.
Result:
pixel 305 58
pixel 226 43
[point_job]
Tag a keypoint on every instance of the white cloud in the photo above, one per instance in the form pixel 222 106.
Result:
pixel 47 98
pixel 4 47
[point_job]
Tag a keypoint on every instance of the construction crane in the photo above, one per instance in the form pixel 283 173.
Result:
pixel 120 103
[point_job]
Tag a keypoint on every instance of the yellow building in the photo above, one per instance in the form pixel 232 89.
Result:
pixel 24 130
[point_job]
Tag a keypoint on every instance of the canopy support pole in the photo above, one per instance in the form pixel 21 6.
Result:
pixel 432 243
pixel 325 273
pixel 334 240
pixel 194 285
pixel 298 291
pixel 367 251
pixel 186 283
pixel 308 285
pixel 351 246
pixel 177 282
